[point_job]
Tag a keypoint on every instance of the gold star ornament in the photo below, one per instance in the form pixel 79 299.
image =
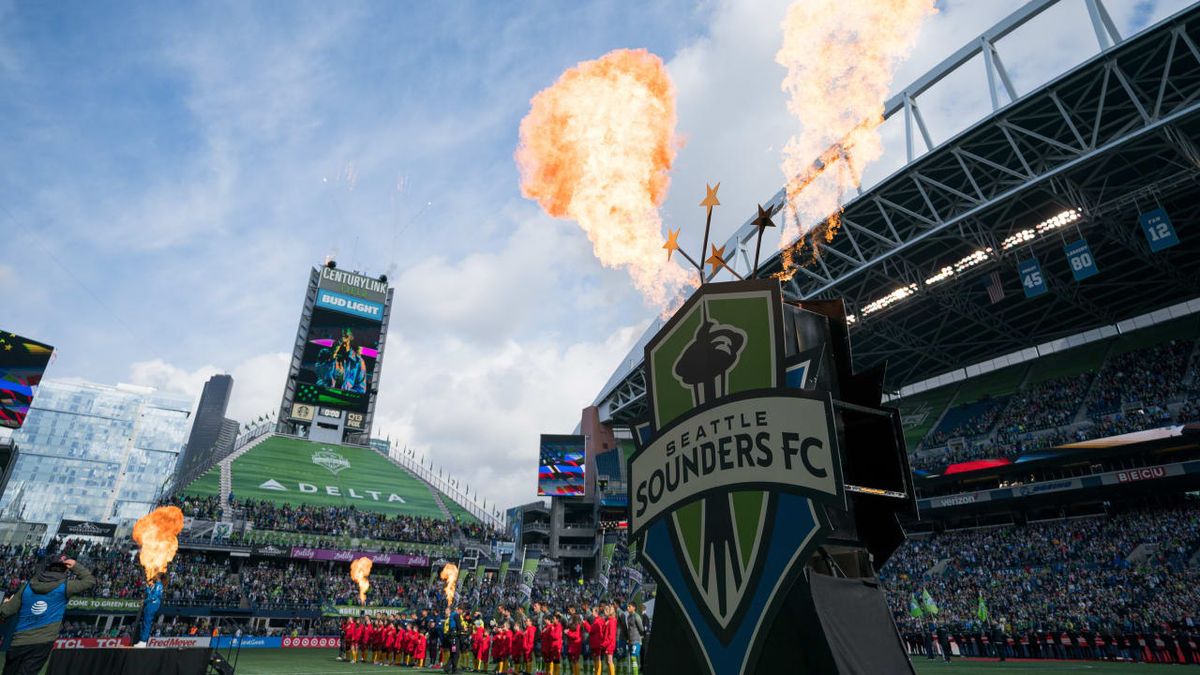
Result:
pixel 672 244
pixel 710 199
pixel 717 259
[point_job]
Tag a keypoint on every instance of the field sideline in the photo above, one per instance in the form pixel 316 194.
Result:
pixel 322 662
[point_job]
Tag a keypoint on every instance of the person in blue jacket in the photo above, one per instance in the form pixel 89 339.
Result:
pixel 150 607
pixel 39 606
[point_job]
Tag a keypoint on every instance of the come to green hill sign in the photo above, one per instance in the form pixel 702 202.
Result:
pixel 295 471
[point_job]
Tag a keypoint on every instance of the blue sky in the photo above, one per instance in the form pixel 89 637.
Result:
pixel 172 170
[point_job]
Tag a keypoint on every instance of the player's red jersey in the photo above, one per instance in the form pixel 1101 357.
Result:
pixel 500 644
pixel 390 636
pixel 414 643
pixel 481 645
pixel 596 635
pixel 422 645
pixel 530 637
pixel 574 636
pixel 610 635
pixel 552 641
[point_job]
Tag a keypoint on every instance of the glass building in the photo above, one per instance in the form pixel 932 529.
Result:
pixel 95 452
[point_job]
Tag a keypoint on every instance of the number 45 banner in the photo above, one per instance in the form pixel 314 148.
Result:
pixel 1031 278
pixel 1079 257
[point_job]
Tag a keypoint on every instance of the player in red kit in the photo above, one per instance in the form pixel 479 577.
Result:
pixel 574 637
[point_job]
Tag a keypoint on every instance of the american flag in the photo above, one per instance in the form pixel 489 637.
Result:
pixel 995 287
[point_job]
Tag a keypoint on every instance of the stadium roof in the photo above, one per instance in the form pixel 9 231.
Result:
pixel 1080 157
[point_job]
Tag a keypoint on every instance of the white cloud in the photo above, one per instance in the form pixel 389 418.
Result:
pixel 477 409
pixel 257 382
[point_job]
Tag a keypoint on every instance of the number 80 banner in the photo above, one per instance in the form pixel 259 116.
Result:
pixel 1079 257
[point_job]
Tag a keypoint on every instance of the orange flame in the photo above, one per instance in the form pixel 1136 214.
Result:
pixel 596 147
pixel 449 574
pixel 360 572
pixel 840 57
pixel 157 533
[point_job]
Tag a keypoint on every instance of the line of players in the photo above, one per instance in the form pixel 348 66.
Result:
pixel 515 644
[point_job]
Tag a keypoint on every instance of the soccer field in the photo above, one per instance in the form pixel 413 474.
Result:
pixel 323 662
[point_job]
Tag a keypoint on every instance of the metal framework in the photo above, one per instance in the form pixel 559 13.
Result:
pixel 1109 139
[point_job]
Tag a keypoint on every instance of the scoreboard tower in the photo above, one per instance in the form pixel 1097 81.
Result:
pixel 337 357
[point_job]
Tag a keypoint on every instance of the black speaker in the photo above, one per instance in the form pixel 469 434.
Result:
pixel 217 665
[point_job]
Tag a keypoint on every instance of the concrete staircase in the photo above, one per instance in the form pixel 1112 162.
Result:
pixel 226 480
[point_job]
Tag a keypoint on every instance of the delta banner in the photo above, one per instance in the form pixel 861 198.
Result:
pixel 528 573
pixel 108 605
pixel 727 495
pixel 505 562
pixel 480 571
pixel 86 528
pixel 342 555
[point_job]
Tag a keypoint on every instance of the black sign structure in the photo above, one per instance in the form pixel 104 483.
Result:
pixel 86 528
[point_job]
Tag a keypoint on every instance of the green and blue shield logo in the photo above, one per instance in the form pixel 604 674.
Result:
pixel 725 495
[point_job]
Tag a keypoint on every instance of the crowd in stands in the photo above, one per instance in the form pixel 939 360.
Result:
pixel 1150 376
pixel 344 521
pixel 1130 393
pixel 202 508
pixel 1045 405
pixel 1128 571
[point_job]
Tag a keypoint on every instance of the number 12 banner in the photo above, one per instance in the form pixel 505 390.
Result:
pixel 1079 257
pixel 1031 277
pixel 1159 232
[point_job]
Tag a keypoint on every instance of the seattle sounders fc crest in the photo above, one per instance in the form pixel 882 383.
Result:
pixel 727 493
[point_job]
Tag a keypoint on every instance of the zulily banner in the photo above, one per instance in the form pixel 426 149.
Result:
pixel 342 555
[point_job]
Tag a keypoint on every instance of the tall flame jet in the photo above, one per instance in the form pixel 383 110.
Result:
pixel 449 574
pixel 597 147
pixel 360 572
pixel 157 533
pixel 840 58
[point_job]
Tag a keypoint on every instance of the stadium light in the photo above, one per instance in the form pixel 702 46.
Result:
pixel 1048 225
pixel 889 299
pixel 961 266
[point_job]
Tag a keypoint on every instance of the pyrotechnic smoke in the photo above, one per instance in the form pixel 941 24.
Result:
pixel 449 574
pixel 840 58
pixel 596 147
pixel 360 572
pixel 157 533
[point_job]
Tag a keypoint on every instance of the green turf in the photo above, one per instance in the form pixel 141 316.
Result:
pixel 458 510
pixel 920 411
pixel 346 475
pixel 208 485
pixel 323 662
